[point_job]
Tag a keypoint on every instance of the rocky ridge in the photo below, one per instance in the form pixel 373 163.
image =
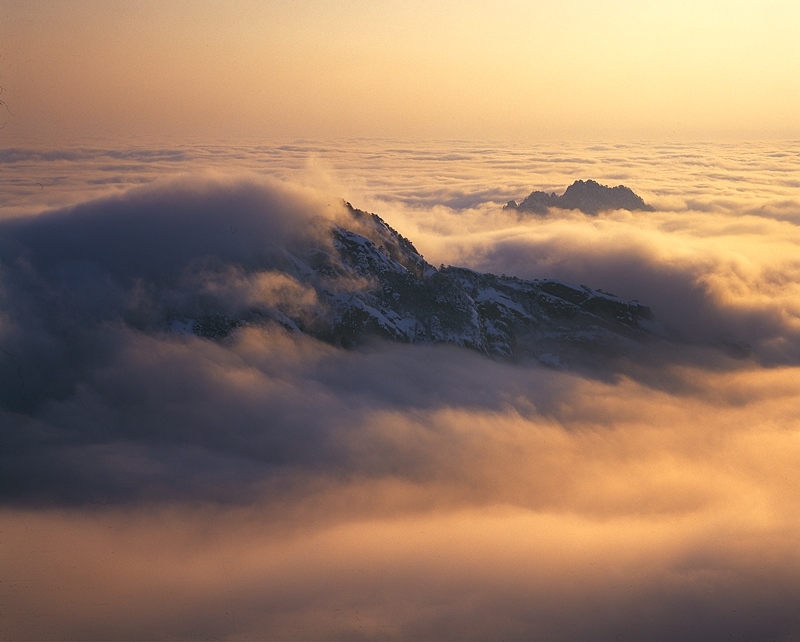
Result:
pixel 375 283
pixel 590 197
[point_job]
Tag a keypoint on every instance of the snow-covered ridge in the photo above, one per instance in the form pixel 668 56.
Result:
pixel 375 283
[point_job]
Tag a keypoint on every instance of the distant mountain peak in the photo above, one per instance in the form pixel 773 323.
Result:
pixel 590 197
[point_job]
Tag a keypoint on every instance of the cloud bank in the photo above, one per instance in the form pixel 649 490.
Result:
pixel 273 486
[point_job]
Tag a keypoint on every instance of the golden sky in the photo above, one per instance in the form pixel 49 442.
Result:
pixel 273 486
pixel 501 70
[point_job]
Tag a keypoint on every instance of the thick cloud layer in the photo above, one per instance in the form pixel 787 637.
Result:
pixel 272 486
pixel 708 280
pixel 76 282
pixel 154 233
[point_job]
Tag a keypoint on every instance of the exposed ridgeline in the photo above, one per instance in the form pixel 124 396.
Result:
pixel 587 196
pixel 375 283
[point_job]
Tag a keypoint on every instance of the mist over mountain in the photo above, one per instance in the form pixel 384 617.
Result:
pixel 246 380
pixel 590 197
pixel 204 268
pixel 213 260
pixel 376 284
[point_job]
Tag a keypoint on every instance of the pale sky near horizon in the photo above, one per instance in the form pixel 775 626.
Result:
pixel 612 69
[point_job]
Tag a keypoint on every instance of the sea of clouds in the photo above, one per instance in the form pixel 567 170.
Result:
pixel 273 486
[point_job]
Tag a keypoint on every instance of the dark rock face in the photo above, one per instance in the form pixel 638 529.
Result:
pixel 587 196
pixel 394 293
pixel 591 197
pixel 536 202
pixel 180 269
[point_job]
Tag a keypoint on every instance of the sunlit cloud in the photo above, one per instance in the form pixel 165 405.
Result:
pixel 272 485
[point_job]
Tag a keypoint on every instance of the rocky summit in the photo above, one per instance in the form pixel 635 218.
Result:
pixel 374 283
pixel 590 197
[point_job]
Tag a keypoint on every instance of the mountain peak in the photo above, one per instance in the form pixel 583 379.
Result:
pixel 375 283
pixel 590 197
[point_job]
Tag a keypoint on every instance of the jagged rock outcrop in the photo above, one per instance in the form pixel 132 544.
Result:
pixel 375 283
pixel 590 197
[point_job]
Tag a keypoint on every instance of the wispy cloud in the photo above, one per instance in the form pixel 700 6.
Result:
pixel 271 485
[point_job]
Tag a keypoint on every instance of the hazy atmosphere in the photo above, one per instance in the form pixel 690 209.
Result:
pixel 233 405
pixel 611 69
